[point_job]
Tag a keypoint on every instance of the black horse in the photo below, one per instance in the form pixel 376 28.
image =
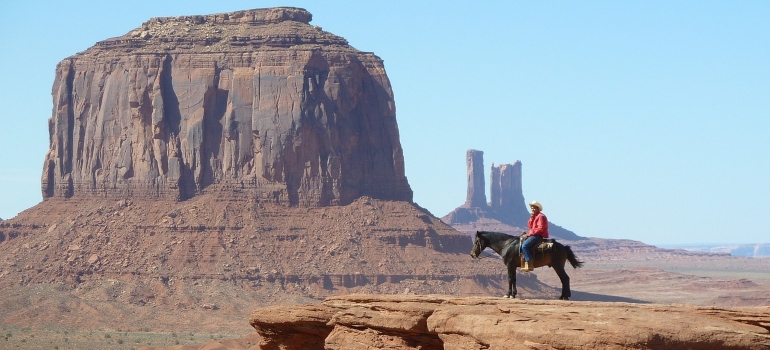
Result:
pixel 509 248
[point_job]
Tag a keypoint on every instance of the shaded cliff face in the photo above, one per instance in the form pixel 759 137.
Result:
pixel 255 101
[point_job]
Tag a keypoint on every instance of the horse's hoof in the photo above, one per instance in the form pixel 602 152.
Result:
pixel 563 298
pixel 506 296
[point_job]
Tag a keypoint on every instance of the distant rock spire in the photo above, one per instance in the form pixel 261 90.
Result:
pixel 507 211
pixel 476 196
pixel 507 197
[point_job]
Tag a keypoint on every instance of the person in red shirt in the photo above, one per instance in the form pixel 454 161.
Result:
pixel 538 230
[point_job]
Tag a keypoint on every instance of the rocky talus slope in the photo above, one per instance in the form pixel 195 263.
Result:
pixel 219 257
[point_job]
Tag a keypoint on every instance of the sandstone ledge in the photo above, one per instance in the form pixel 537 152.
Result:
pixel 444 322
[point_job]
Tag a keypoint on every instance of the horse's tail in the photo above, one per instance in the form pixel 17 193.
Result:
pixel 572 258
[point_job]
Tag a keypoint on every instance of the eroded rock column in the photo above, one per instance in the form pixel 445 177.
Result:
pixel 476 196
pixel 507 196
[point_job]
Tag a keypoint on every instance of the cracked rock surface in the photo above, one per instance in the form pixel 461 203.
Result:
pixel 443 322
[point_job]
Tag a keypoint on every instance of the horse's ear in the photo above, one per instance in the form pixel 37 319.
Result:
pixel 478 233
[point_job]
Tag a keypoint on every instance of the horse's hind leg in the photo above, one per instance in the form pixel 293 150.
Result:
pixel 564 278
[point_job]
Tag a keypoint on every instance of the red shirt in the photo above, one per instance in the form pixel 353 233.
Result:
pixel 538 225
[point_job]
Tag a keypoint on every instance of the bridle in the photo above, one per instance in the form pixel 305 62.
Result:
pixel 478 248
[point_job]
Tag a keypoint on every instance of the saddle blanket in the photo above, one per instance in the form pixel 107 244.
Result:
pixel 545 245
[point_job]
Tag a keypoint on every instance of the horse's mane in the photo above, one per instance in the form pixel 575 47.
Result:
pixel 498 235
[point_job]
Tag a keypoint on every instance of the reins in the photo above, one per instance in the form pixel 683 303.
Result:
pixel 488 255
pixel 509 246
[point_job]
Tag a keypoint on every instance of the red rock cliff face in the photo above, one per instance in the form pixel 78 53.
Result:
pixel 255 101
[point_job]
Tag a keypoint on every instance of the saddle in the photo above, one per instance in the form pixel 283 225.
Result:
pixel 544 246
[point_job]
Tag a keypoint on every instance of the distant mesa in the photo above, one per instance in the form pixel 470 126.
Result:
pixel 506 211
pixel 256 102
pixel 751 250
pixel 760 250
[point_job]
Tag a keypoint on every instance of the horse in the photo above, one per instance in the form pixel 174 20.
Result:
pixel 509 247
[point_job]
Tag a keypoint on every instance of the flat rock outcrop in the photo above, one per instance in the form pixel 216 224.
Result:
pixel 442 322
pixel 256 101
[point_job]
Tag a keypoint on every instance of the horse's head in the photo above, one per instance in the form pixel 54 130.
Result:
pixel 479 244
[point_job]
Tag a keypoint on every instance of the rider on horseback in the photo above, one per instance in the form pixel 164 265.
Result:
pixel 538 230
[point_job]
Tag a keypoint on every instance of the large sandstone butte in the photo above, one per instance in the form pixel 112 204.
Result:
pixel 441 322
pixel 255 101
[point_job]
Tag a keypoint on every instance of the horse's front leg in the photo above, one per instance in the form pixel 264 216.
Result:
pixel 511 281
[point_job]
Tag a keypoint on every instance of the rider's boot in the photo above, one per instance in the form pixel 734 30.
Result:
pixel 527 267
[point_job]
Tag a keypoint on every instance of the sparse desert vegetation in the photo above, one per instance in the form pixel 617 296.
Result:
pixel 13 337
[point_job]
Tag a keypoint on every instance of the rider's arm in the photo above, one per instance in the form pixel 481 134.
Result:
pixel 539 226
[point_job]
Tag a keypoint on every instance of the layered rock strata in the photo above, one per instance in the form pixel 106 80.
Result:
pixel 255 101
pixel 442 322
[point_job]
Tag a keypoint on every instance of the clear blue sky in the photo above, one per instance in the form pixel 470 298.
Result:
pixel 644 120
